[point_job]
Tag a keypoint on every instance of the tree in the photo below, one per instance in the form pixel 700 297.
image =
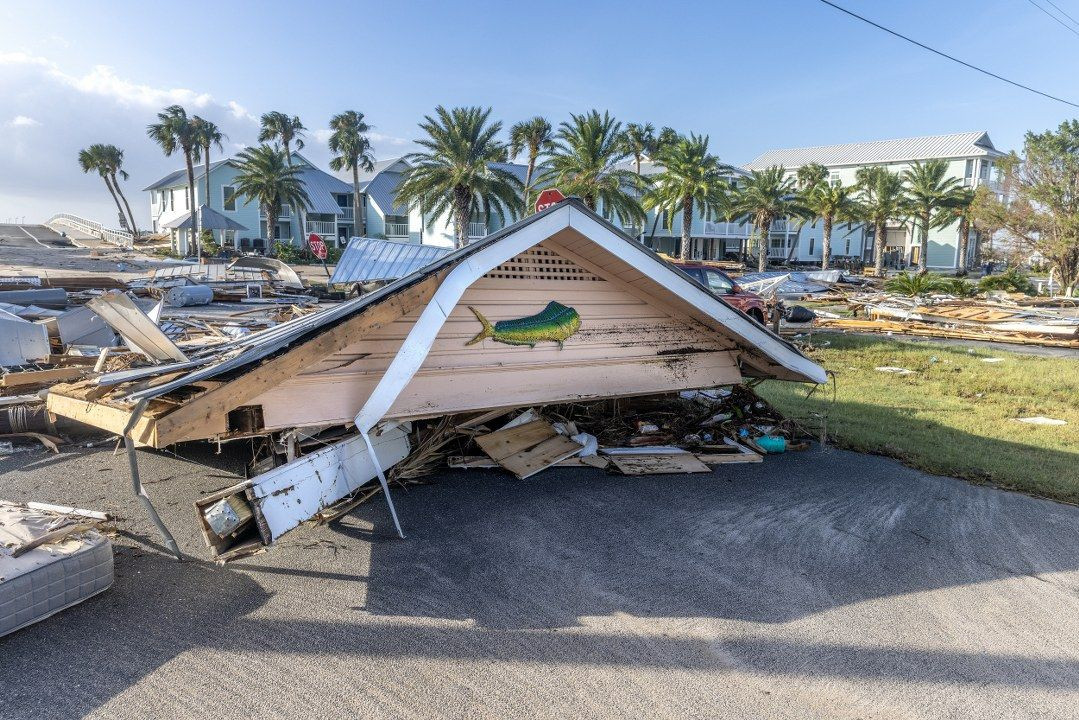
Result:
pixel 766 195
pixel 690 177
pixel 639 141
pixel 962 209
pixel 667 136
pixel 534 136
pixel 207 134
pixel 811 175
pixel 1039 210
pixel 175 131
pixel 584 162
pixel 288 130
pixel 265 176
pixel 881 200
pixel 352 151
pixel 454 175
pixel 829 202
pixel 107 161
pixel 930 195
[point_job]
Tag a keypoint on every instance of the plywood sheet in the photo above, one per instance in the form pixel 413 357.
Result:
pixel 526 449
pixel 663 464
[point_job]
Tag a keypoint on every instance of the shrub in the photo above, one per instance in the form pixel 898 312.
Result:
pixel 210 248
pixel 1011 281
pixel 286 252
pixel 958 287
pixel 913 284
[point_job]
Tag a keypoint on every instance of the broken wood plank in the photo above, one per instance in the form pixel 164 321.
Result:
pixel 481 462
pixel 528 448
pixel 661 464
pixel 40 377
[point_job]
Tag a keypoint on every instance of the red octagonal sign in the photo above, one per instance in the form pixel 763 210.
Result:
pixel 547 198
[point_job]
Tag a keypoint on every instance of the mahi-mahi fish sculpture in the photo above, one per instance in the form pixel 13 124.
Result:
pixel 554 323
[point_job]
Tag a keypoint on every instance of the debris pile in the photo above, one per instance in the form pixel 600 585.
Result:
pixel 996 320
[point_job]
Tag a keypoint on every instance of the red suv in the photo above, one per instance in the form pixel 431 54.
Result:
pixel 720 283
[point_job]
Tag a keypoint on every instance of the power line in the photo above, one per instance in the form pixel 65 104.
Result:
pixel 949 57
pixel 1057 20
pixel 1061 10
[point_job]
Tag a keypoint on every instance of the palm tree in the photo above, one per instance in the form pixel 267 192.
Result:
pixel 930 194
pixel 811 175
pixel 584 162
pixel 534 136
pixel 639 141
pixel 265 176
pixel 829 203
pixel 105 161
pixel 454 175
pixel 690 176
pixel 207 134
pixel 880 201
pixel 352 151
pixel 175 131
pixel 962 208
pixel 667 136
pixel 289 131
pixel 766 195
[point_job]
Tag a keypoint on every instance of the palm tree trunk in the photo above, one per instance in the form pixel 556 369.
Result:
pixel 762 243
pixel 964 239
pixel 922 259
pixel 528 179
pixel 191 203
pixel 462 204
pixel 299 211
pixel 112 191
pixel 130 217
pixel 357 216
pixel 687 228
pixel 826 243
pixel 206 171
pixel 878 249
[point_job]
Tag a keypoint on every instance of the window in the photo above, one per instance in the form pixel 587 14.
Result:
pixel 812 244
pixel 717 282
pixel 172 199
pixel 983 170
pixel 187 200
pixel 228 197
pixel 848 246
pixel 969 172
pixel 833 179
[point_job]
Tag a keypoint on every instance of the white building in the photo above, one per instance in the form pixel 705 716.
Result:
pixel 970 157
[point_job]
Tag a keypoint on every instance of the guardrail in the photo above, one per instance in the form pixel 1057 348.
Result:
pixel 91 227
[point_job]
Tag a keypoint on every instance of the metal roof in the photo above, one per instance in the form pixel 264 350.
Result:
pixel 382 190
pixel 179 177
pixel 209 219
pixel 928 147
pixel 368 259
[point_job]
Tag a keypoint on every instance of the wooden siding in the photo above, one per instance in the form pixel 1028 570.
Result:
pixel 627 345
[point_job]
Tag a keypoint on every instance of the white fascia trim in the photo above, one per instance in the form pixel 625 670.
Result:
pixel 418 342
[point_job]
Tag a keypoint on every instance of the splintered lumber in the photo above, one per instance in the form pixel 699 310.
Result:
pixel 658 464
pixel 928 330
pixel 526 449
pixel 41 377
pixel 479 462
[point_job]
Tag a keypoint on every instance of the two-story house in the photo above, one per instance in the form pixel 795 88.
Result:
pixel 970 157
pixel 329 213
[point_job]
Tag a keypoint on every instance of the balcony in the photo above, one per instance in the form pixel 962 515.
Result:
pixel 345 214
pixel 477 229
pixel 725 229
pixel 283 214
pixel 324 228
pixel 396 230
pixel 781 226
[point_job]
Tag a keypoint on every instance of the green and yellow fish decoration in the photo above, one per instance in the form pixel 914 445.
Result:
pixel 554 323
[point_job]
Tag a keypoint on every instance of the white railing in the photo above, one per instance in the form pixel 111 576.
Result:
pixel 346 214
pixel 477 229
pixel 726 229
pixel 780 226
pixel 325 228
pixel 91 227
pixel 396 229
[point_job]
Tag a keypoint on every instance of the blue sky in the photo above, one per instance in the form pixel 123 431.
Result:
pixel 752 75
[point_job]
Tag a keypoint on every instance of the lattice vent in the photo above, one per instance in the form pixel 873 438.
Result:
pixel 539 263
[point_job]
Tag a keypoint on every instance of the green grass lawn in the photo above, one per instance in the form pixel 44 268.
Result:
pixel 955 415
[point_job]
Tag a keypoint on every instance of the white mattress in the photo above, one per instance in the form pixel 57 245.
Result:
pixel 51 577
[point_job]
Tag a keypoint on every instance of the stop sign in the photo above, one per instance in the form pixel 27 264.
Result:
pixel 547 198
pixel 317 246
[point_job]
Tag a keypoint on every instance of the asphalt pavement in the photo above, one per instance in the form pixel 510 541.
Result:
pixel 32 237
pixel 820 584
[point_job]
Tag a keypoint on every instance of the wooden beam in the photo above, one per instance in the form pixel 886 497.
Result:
pixel 106 417
pixel 38 377
pixel 188 421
